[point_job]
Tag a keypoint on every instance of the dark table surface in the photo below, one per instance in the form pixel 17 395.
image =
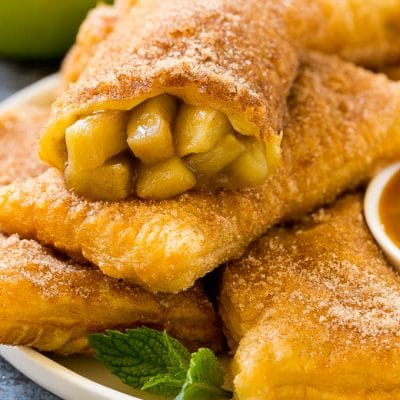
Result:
pixel 15 76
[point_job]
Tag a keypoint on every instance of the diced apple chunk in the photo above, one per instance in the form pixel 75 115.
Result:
pixel 273 154
pixel 110 181
pixel 250 168
pixel 198 129
pixel 149 129
pixel 210 163
pixel 94 139
pixel 164 180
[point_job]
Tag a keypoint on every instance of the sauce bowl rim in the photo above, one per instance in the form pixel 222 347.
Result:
pixel 372 216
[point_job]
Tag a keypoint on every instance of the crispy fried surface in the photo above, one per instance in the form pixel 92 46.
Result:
pixel 97 26
pixel 366 32
pixel 336 134
pixel 316 308
pixel 51 303
pixel 363 31
pixel 210 53
pixel 19 134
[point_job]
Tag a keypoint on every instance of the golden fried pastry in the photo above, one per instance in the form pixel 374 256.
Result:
pixel 51 303
pixel 315 309
pixel 336 133
pixel 210 59
pixel 230 64
pixel 366 32
pixel 18 158
pixel 98 24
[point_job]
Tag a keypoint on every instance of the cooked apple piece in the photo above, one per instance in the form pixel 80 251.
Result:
pixel 210 163
pixel 110 181
pixel 94 139
pixel 250 168
pixel 198 129
pixel 149 129
pixel 273 154
pixel 164 180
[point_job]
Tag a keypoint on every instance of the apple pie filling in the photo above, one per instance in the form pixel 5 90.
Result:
pixel 159 149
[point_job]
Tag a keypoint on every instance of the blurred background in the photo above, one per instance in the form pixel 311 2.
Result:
pixel 34 37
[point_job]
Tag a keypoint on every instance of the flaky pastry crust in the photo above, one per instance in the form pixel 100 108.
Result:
pixel 336 134
pixel 51 303
pixel 315 309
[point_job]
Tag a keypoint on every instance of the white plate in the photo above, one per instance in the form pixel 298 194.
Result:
pixel 70 378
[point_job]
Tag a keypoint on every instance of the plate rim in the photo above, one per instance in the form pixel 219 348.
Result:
pixel 57 378
pixel 33 93
pixel 44 371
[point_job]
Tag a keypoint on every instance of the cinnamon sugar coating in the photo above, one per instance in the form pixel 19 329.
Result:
pixel 315 309
pixel 238 57
pixel 210 53
pixel 366 32
pixel 363 31
pixel 51 303
pixel 98 24
pixel 18 150
pixel 336 134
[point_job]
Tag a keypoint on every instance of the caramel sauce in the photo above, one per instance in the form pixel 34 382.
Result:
pixel 389 208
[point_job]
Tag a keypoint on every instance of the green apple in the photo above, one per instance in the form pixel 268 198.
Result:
pixel 32 29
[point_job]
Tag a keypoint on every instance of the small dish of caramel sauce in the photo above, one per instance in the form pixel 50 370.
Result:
pixel 389 208
pixel 382 211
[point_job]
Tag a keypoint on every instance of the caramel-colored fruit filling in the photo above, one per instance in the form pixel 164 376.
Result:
pixel 164 180
pixel 209 163
pixel 250 168
pixel 159 149
pixel 198 129
pixel 111 181
pixel 149 129
pixel 93 140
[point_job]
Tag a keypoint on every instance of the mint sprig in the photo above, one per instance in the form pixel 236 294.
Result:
pixel 153 361
pixel 204 378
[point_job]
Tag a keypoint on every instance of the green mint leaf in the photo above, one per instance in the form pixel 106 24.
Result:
pixel 151 360
pixel 144 358
pixel 179 357
pixel 163 384
pixel 204 378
